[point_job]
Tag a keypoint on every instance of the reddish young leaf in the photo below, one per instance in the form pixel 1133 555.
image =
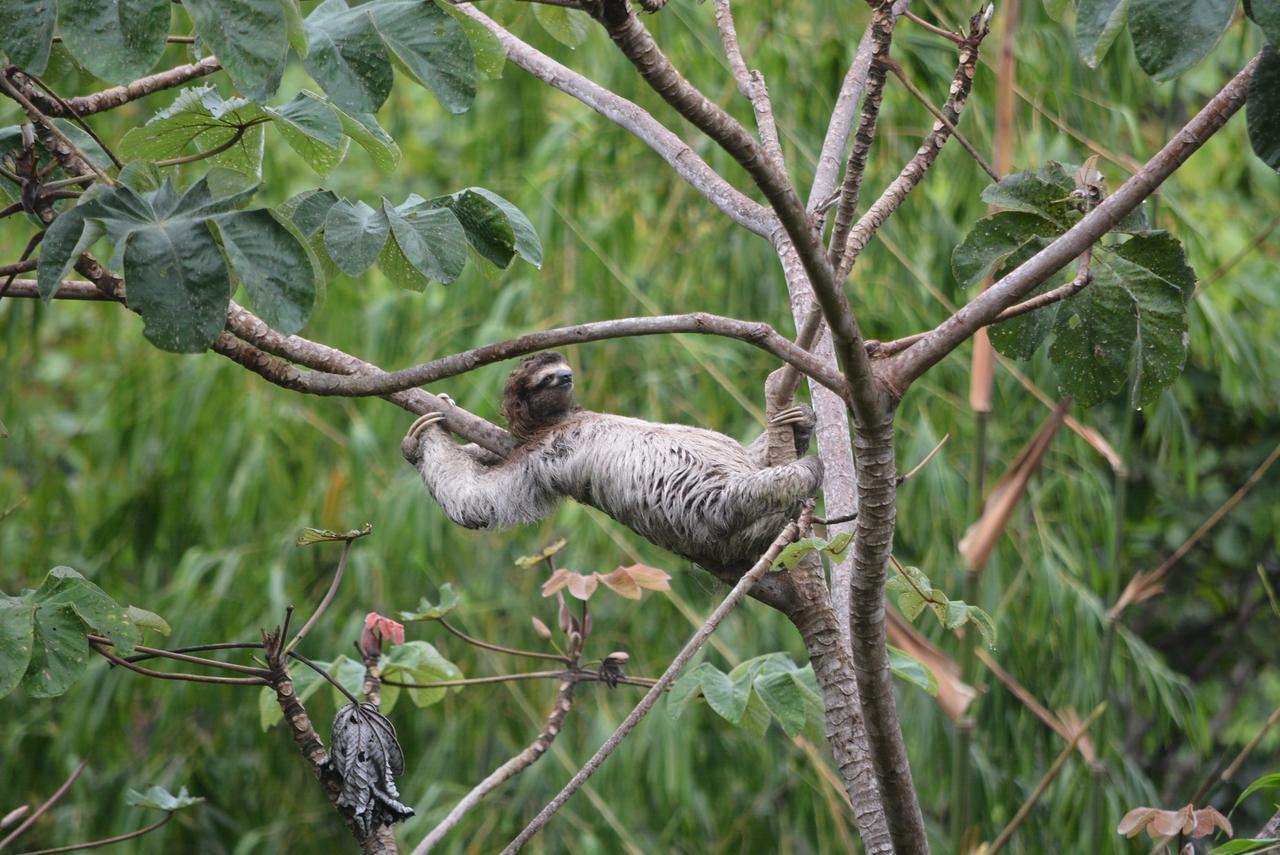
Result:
pixel 581 586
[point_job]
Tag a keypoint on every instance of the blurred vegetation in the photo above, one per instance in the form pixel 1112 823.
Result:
pixel 179 482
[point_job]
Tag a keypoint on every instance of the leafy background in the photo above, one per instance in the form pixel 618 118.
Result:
pixel 179 482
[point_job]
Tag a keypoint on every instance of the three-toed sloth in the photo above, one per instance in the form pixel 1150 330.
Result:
pixel 695 492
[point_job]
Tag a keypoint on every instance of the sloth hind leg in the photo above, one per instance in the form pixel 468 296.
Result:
pixel 774 490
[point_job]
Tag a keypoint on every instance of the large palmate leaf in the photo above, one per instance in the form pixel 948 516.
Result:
pixel 430 239
pixel 201 120
pixel 118 40
pixel 993 240
pixel 43 642
pixel 1170 36
pixel 250 39
pixel 1129 326
pixel 273 264
pixel 351 51
pixel 28 32
pixel 1267 14
pixel 312 127
pixel 354 234
pixel 1098 22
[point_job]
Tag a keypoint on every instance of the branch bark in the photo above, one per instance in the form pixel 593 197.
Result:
pixel 955 330
pixel 109 99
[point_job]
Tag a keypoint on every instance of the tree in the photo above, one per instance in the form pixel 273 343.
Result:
pixel 1118 324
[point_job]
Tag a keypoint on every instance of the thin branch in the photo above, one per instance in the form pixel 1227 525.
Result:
pixel 328 597
pixel 980 311
pixel 934 28
pixel 179 656
pixel 881 29
pixel 925 462
pixel 63 141
pixel 106 841
pixel 1236 762
pixel 914 171
pixel 572 675
pixel 744 211
pixel 651 697
pixel 498 648
pixel 109 99
pixel 173 675
pixel 68 290
pixel 76 117
pixel 751 84
pixel 44 808
pixel 1044 783
pixel 508 770
pixel 897 71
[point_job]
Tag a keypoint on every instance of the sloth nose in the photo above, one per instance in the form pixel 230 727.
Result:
pixel 563 377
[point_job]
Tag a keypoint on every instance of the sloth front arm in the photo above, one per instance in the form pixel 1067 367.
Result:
pixel 475 487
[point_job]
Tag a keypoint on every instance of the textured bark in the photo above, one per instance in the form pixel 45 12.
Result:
pixel 109 99
pixel 872 545
pixel 832 663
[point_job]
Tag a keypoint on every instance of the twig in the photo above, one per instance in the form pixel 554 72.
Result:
pixel 934 28
pixel 927 458
pixel 498 648
pixel 1234 766
pixel 751 84
pixel 508 770
pixel 897 71
pixel 948 335
pixel 44 808
pixel 329 678
pixel 68 290
pixel 1044 783
pixel 573 675
pixel 76 117
pixel 914 171
pixel 881 29
pixel 173 675
pixel 328 597
pixel 44 121
pixel 106 841
pixel 161 653
pixel 651 697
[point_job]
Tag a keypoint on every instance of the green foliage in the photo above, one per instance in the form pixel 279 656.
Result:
pixel 27 38
pixel 42 632
pixel 793 553
pixel 915 592
pixel 117 40
pixel 250 39
pixel 1266 782
pixel 427 610
pixel 416 662
pixel 768 686
pixel 570 27
pixel 1263 106
pixel 1098 22
pixel 1242 845
pixel 1170 36
pixel 159 798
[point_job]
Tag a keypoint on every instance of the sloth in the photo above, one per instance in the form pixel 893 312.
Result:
pixel 695 492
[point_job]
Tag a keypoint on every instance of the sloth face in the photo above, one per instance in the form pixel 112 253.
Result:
pixel 538 393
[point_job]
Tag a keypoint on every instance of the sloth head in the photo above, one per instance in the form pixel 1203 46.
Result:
pixel 538 394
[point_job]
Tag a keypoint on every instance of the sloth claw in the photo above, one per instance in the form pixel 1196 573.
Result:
pixel 790 416
pixel 422 422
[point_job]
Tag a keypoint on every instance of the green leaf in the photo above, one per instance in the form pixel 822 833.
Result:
pixel 27 32
pixel 993 240
pixel 1098 22
pixel 419 662
pixel 527 244
pixel 1057 9
pixel 308 536
pixel 273 265
pixel 687 687
pixel 346 57
pixel 1266 782
pixel 142 175
pixel 59 651
pixel 431 239
pixel 354 235
pixel 1046 192
pixel 103 615
pixel 756 717
pixel 117 40
pixel 786 697
pixel 161 799
pixel 1263 107
pixel 527 561
pixel 428 610
pixel 143 619
pixel 915 592
pixel 1170 36
pixel 486 226
pixel 959 613
pixel 793 553
pixel 1130 321
pixel 17 631
pixel 295 26
pixel 910 669
pixel 350 675
pixel 490 55
pixel 311 127
pixel 838 544
pixel 570 27
pixel 1022 336
pixel 430 46
pixel 369 135
pixel 727 697
pixel 1243 845
pixel 250 39
pixel 177 277
pixel 200 120
pixel 67 237
pixel 308 209
pixel 1267 15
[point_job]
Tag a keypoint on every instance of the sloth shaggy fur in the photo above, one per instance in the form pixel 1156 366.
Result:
pixel 696 492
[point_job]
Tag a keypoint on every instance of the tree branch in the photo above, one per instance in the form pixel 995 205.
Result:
pixel 508 770
pixel 106 841
pixel 109 99
pixel 980 311
pixel 744 211
pixel 751 84
pixel 44 807
pixel 651 697
pixel 914 171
